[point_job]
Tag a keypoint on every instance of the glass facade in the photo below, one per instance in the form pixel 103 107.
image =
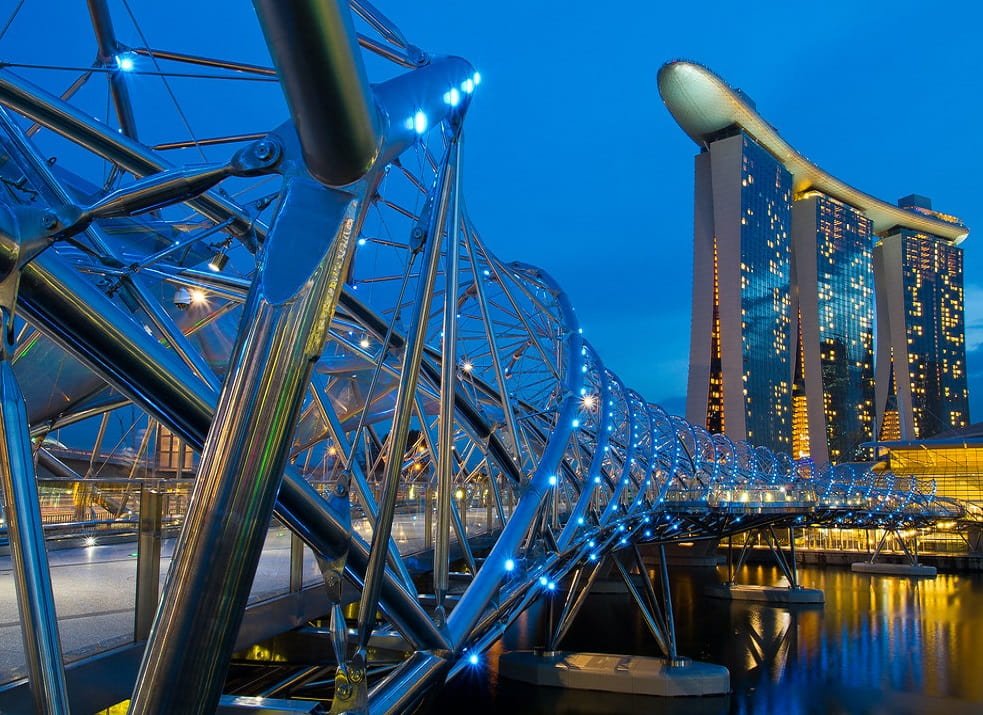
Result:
pixel 715 395
pixel 845 288
pixel 766 191
pixel 932 273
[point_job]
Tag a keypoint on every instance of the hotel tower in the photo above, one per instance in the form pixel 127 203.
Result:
pixel 787 261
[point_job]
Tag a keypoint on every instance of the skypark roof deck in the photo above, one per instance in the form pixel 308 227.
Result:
pixel 704 105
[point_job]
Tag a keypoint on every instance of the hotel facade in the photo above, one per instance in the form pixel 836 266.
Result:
pixel 789 263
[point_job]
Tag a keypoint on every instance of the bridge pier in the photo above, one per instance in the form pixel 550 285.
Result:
pixel 910 568
pixel 669 676
pixel 792 593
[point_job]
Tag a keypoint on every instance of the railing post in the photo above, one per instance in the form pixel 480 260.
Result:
pixel 148 560
pixel 296 563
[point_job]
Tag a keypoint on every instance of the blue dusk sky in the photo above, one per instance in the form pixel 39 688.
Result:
pixel 573 163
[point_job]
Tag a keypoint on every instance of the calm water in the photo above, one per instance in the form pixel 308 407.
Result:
pixel 880 645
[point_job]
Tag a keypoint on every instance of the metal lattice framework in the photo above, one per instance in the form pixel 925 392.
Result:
pixel 356 361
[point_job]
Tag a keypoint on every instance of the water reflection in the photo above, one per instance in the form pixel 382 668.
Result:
pixel 880 645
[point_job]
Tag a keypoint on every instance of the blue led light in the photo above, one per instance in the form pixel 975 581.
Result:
pixel 361 242
pixel 467 86
pixel 473 659
pixel 580 520
pixel 509 565
pixel 576 423
pixel 552 480
pixel 477 78
pixel 543 580
pixel 420 122
pixel 551 586
pixel 125 62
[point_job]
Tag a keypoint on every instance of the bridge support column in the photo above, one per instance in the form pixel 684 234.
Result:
pixel 669 676
pixel 792 593
pixel 909 567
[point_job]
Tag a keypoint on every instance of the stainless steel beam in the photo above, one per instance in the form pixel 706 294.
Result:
pixel 81 319
pixel 284 325
pixel 315 51
pixel 405 393
pixel 102 25
pixel 35 600
pixel 446 465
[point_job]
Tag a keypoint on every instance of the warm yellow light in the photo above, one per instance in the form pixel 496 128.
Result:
pixel 589 402
pixel 198 296
pixel 459 494
pixel 467 366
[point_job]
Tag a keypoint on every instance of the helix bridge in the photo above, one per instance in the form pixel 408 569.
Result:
pixel 304 303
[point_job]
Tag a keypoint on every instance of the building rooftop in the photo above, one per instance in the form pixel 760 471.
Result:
pixel 704 105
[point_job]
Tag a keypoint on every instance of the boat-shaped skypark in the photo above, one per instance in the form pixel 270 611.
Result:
pixel 787 262
pixel 704 105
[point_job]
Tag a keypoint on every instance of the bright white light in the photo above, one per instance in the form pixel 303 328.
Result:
pixel 589 402
pixel 509 565
pixel 467 366
pixel 125 62
pixel 420 122
pixel 364 343
pixel 198 296
pixel 90 541
pixel 361 242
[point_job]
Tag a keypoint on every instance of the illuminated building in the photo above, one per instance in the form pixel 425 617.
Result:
pixel 835 306
pixel 921 332
pixel 741 300
pixel 782 335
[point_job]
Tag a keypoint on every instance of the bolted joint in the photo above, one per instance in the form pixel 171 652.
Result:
pixel 49 221
pixel 258 158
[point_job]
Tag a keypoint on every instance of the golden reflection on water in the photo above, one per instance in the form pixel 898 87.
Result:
pixel 920 636
pixel 880 645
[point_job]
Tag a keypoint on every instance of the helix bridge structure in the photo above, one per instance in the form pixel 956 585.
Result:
pixel 305 305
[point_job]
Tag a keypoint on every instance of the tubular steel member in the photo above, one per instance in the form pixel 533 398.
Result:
pixel 491 575
pixel 102 25
pixel 448 380
pixel 428 232
pixel 90 326
pixel 284 324
pixel 314 48
pixel 35 599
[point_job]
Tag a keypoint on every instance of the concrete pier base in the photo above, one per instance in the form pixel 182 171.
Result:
pixel 883 569
pixel 767 594
pixel 634 674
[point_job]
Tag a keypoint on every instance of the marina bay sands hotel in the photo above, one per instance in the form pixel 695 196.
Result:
pixel 789 264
